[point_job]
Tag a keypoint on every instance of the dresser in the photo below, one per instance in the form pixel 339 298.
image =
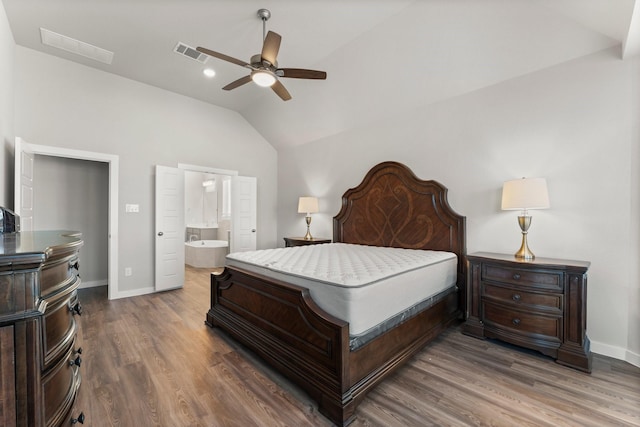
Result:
pixel 39 342
pixel 539 304
pixel 301 241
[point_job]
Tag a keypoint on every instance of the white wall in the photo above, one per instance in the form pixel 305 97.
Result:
pixel 7 48
pixel 64 104
pixel 576 124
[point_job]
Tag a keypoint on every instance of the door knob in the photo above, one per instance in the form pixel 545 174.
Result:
pixel 160 233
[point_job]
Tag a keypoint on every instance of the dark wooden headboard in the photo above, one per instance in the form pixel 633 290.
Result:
pixel 392 207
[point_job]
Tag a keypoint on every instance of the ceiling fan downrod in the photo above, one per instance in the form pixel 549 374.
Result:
pixel 264 14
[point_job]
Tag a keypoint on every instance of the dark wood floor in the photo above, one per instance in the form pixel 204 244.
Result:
pixel 151 361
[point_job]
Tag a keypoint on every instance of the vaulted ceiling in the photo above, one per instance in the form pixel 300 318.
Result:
pixel 382 57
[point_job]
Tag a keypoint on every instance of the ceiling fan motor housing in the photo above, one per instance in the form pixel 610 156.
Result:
pixel 258 62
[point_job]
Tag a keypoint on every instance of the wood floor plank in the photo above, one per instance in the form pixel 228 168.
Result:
pixel 150 361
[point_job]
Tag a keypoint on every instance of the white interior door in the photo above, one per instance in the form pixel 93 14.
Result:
pixel 23 189
pixel 170 229
pixel 243 213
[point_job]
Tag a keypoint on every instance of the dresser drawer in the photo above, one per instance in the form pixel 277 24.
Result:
pixel 548 302
pixel 58 274
pixel 59 328
pixel 534 325
pixel 60 386
pixel 523 277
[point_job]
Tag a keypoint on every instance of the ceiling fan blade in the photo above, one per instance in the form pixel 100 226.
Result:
pixel 300 73
pixel 271 47
pixel 281 91
pixel 222 56
pixel 241 81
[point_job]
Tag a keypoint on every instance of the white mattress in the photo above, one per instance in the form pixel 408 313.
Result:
pixel 363 285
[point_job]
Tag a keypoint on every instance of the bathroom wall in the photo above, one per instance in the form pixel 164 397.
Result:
pixel 201 203
pixel 204 213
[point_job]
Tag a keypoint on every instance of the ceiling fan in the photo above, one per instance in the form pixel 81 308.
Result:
pixel 264 66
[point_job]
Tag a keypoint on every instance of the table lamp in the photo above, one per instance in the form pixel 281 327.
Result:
pixel 524 194
pixel 308 205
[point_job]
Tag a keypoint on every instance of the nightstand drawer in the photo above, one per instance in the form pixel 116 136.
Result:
pixel 517 297
pixel 524 323
pixel 301 241
pixel 523 277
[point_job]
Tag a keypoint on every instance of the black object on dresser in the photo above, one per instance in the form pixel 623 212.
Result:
pixel 301 241
pixel 39 344
pixel 539 304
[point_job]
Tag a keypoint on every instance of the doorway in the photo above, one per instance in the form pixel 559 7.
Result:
pixel 23 194
pixel 72 194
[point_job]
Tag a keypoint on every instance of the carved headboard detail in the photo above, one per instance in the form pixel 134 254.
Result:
pixel 392 207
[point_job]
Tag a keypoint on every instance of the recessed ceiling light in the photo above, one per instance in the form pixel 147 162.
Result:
pixel 209 72
pixel 78 47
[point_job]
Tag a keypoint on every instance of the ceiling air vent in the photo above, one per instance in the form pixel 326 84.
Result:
pixel 78 47
pixel 190 52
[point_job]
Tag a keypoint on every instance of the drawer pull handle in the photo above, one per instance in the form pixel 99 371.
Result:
pixel 516 276
pixel 80 419
pixel 76 309
pixel 75 265
pixel 516 321
pixel 77 361
pixel 516 297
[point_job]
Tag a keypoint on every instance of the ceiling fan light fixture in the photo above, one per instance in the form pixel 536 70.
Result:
pixel 263 78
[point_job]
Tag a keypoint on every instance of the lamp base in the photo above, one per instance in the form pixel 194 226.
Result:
pixel 308 235
pixel 524 253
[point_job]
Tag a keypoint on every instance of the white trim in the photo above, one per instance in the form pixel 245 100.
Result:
pixel 207 169
pixel 136 292
pixel 94 284
pixel 113 161
pixel 633 358
pixel 616 352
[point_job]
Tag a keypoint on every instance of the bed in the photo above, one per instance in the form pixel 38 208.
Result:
pixel 281 322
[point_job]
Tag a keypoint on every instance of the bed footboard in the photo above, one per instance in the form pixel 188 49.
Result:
pixel 281 323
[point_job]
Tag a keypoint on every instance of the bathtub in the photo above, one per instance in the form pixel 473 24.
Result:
pixel 206 253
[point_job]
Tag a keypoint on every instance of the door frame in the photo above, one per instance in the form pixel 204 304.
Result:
pixel 205 169
pixel 113 162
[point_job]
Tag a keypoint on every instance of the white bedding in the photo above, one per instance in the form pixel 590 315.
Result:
pixel 363 285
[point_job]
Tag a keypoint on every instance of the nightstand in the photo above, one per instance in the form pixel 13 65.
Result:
pixel 539 304
pixel 301 241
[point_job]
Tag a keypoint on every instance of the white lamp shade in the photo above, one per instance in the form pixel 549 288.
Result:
pixel 308 205
pixel 525 193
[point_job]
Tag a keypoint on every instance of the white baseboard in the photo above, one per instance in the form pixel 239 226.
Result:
pixel 118 294
pixel 615 352
pixel 133 293
pixel 633 358
pixel 93 284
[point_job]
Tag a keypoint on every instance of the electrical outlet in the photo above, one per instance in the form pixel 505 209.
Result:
pixel 128 271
